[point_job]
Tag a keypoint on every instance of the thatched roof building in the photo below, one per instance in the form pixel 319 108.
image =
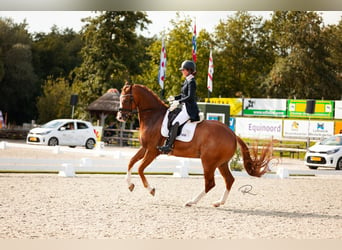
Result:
pixel 105 105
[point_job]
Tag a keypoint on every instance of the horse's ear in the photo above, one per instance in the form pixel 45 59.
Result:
pixel 128 84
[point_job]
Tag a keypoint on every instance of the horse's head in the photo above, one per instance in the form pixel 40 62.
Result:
pixel 135 97
pixel 127 103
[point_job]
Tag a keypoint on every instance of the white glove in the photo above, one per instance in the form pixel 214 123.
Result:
pixel 174 105
pixel 171 98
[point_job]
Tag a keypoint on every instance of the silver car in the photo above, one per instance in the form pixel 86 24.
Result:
pixel 64 132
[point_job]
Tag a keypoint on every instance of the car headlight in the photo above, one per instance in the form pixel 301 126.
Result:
pixel 45 133
pixel 333 151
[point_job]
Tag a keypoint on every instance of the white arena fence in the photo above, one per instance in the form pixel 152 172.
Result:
pixel 116 161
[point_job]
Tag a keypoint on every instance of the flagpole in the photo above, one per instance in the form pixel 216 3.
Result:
pixel 194 43
pixel 210 73
pixel 162 69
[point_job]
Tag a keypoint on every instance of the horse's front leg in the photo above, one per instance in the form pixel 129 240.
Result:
pixel 138 156
pixel 148 158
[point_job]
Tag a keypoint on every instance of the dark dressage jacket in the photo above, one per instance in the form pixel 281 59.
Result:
pixel 188 97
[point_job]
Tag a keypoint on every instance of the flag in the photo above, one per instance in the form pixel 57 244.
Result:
pixel 210 72
pixel 2 123
pixel 162 66
pixel 194 46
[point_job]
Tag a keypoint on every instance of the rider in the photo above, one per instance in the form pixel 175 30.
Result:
pixel 187 100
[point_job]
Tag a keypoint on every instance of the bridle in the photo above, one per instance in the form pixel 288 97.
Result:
pixel 129 111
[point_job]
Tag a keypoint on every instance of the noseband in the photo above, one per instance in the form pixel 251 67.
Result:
pixel 128 111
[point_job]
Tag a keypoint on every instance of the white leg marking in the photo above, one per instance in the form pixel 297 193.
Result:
pixel 196 199
pixel 149 188
pixel 128 177
pixel 222 200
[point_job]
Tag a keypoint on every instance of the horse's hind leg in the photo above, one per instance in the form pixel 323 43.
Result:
pixel 229 180
pixel 138 156
pixel 209 177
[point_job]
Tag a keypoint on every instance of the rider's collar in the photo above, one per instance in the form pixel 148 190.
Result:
pixel 189 77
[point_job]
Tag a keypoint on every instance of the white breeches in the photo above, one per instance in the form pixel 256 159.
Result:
pixel 182 117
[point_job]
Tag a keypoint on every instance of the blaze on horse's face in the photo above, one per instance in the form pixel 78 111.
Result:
pixel 127 104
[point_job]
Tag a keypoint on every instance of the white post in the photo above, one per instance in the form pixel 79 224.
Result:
pixel 68 170
pixel 182 170
pixel 283 173
pixel 86 162
pixel 56 150
pixel 99 148
pixel 3 145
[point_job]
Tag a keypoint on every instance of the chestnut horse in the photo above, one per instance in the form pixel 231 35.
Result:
pixel 213 142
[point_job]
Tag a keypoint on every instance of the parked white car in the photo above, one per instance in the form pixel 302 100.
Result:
pixel 326 153
pixel 64 132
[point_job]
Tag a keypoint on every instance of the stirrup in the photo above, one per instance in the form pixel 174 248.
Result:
pixel 165 149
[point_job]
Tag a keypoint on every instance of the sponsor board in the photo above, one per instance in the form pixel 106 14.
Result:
pixel 259 128
pixel 305 128
pixel 264 107
pixel 324 109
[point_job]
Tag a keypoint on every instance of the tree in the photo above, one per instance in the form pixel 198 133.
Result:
pixel 18 82
pixel 54 103
pixel 244 56
pixel 2 66
pixel 302 68
pixel 178 42
pixel 112 53
pixel 333 38
pixel 56 53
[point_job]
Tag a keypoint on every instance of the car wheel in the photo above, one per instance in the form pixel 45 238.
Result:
pixel 339 164
pixel 312 167
pixel 53 141
pixel 90 144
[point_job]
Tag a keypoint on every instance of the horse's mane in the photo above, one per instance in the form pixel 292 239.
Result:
pixel 151 92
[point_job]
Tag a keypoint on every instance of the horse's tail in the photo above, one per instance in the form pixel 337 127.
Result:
pixel 256 166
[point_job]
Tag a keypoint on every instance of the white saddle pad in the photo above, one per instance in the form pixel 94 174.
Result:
pixel 186 134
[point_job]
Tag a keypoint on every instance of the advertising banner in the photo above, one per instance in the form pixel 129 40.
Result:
pixel 235 104
pixel 338 110
pixel 323 109
pixel 232 121
pixel 258 128
pixel 264 107
pixel 98 132
pixel 338 127
pixel 305 128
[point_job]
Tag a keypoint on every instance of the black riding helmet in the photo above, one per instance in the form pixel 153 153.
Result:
pixel 188 65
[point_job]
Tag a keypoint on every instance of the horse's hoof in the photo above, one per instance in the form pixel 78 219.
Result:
pixel 216 204
pixel 153 191
pixel 131 187
pixel 189 204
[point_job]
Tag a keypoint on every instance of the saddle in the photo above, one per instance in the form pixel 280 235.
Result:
pixel 185 132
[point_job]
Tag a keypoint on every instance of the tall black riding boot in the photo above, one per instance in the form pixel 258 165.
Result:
pixel 170 140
